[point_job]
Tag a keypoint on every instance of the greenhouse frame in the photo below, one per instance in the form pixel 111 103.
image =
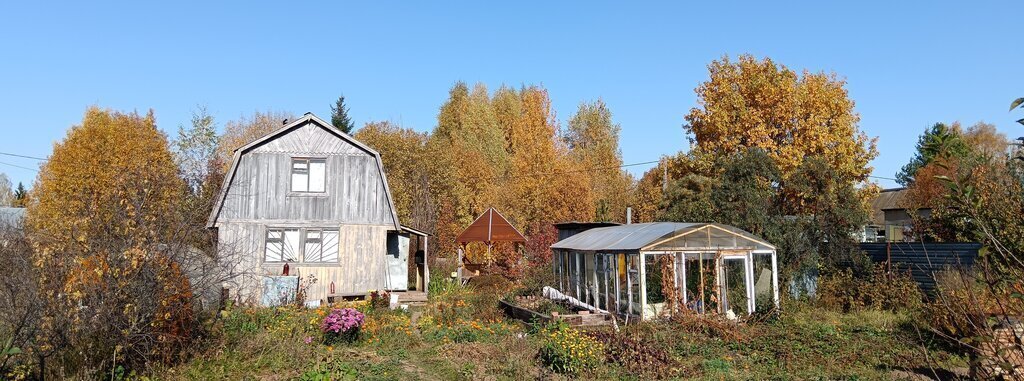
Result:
pixel 649 270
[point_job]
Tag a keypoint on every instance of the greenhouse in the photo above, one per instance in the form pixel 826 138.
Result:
pixel 649 270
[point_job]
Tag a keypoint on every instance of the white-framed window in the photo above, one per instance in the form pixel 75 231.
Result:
pixel 301 245
pixel 320 246
pixel 309 175
pixel 282 245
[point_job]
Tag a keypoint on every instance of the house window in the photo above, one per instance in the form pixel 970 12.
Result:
pixel 321 245
pixel 307 245
pixel 282 245
pixel 309 175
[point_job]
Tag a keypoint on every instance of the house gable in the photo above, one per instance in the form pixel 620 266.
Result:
pixel 256 187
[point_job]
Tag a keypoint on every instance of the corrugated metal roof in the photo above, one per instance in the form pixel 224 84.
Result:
pixel 887 199
pixel 655 235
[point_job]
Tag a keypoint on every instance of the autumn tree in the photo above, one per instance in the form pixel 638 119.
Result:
pixel 340 118
pixel 985 203
pixel 593 140
pixel 942 152
pixel 751 103
pixel 467 155
pixel 195 153
pixel 238 133
pixel 404 154
pixel 7 196
pixel 939 141
pixel 107 236
pixel 196 147
pixel 502 151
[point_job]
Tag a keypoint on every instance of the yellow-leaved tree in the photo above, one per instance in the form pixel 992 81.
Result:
pixel 104 224
pixel 593 139
pixel 403 152
pixel 752 103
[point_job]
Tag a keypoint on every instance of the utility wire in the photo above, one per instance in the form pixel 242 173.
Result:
pixel 18 166
pixel 575 171
pixel 27 157
pixel 613 167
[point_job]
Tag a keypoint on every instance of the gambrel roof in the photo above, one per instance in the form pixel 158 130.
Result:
pixel 307 119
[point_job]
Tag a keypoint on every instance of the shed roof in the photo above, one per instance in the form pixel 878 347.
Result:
pixel 887 199
pixel 491 226
pixel 655 236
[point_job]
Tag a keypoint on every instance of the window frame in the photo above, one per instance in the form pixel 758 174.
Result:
pixel 282 240
pixel 323 232
pixel 309 160
pixel 300 254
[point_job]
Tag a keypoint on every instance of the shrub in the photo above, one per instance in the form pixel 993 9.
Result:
pixel 342 324
pixel 566 350
pixel 879 289
pixel 380 299
pixel 641 357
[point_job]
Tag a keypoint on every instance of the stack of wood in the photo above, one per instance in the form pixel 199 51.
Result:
pixel 1004 355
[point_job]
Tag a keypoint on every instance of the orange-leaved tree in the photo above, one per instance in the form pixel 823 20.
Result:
pixel 752 103
pixel 105 225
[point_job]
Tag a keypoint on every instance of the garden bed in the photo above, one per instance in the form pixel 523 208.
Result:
pixel 521 310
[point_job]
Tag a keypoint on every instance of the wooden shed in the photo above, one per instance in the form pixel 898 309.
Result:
pixel 312 197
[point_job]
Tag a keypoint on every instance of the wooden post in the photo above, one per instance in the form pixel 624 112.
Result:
pixel 775 279
pixel 458 269
pixel 426 266
pixel 700 267
pixel 643 285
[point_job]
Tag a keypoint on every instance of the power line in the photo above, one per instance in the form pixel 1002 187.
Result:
pixel 615 167
pixel 18 166
pixel 24 156
pixel 574 171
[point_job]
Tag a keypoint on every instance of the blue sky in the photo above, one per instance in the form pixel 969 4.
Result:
pixel 907 65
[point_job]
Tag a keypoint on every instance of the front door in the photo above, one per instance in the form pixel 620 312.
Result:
pixel 397 262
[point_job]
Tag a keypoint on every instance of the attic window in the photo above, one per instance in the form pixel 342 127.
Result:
pixel 309 175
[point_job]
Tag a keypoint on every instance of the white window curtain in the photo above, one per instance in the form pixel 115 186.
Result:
pixel 309 175
pixel 282 245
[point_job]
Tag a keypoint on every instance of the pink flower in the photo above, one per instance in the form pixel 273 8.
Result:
pixel 309 339
pixel 342 320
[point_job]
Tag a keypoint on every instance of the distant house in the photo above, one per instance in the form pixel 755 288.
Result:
pixel 312 197
pixel 890 219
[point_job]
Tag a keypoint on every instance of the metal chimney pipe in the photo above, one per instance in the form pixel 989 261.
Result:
pixel 629 215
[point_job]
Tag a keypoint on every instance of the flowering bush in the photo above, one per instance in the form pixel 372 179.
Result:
pixel 566 350
pixel 342 324
pixel 380 299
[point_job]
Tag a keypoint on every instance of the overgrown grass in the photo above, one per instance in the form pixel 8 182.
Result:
pixel 460 335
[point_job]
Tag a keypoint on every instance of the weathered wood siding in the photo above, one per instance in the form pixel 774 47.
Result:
pixel 356 202
pixel 260 188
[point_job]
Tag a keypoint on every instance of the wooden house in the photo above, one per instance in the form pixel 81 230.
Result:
pixel 312 197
